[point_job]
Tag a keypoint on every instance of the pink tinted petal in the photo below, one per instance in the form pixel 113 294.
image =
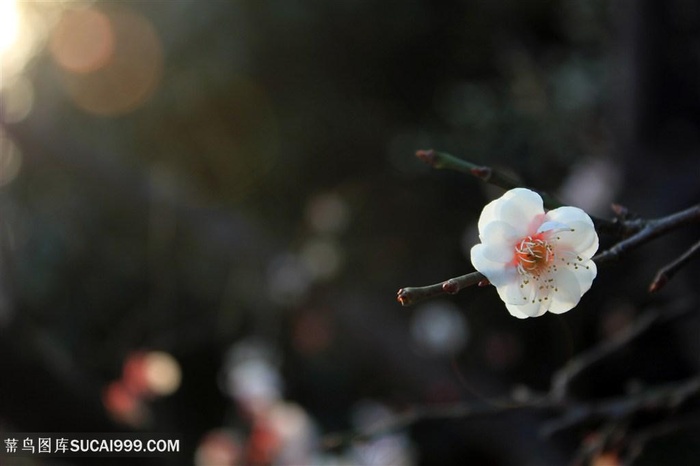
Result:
pixel 567 294
pixel 498 273
pixel 520 209
pixel 499 239
pixel 492 210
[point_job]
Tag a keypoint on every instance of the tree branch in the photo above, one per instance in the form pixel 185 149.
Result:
pixel 668 271
pixel 442 160
pixel 445 161
pixel 574 413
pixel 650 230
pixel 564 376
pixel 412 294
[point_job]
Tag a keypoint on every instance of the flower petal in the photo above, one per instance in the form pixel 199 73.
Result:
pixel 585 273
pixel 526 310
pixel 516 311
pixel 488 214
pixel 552 227
pixel 498 273
pixel 567 215
pixel 525 200
pixel 521 209
pixel 581 237
pixel 567 293
pixel 499 239
pixel 513 293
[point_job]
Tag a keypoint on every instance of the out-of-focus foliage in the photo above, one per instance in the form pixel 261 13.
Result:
pixel 232 185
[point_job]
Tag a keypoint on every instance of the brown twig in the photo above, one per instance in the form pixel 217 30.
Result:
pixel 638 441
pixel 412 294
pixel 649 230
pixel 443 160
pixel 459 410
pixel 564 376
pixel 573 413
pixel 668 271
pixel 668 396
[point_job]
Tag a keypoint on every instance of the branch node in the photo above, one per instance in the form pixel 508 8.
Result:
pixel 483 173
pixel 659 282
pixel 427 156
pixel 405 297
pixel 450 286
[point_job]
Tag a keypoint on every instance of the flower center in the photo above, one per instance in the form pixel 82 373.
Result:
pixel 532 255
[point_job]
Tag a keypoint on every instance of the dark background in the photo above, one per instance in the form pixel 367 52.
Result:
pixel 263 193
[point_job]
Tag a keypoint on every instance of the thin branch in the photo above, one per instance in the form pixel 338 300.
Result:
pixel 668 396
pixel 574 413
pixel 572 369
pixel 638 441
pixel 652 229
pixel 410 295
pixel 564 376
pixel 668 271
pixel 442 160
pixel 445 161
pixel 459 410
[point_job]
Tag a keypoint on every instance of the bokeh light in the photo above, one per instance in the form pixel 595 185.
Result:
pixel 10 159
pixel 9 19
pixel 162 373
pixel 111 58
pixel 220 447
pixel 289 277
pixel 17 97
pixel 251 378
pixel 123 405
pixel 323 257
pixel 440 328
pixel 154 373
pixel 328 213
pixel 83 41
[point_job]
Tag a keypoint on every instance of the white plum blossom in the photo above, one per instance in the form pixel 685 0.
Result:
pixel 538 261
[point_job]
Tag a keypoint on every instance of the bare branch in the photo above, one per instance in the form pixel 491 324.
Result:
pixel 564 376
pixel 665 397
pixel 411 295
pixel 459 410
pixel 652 229
pixel 442 160
pixel 574 413
pixel 668 271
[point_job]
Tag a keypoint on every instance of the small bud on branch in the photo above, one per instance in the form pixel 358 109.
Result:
pixel 411 295
pixel 668 271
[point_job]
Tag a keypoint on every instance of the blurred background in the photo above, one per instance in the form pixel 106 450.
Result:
pixel 207 207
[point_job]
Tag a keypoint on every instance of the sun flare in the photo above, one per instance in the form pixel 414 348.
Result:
pixel 9 24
